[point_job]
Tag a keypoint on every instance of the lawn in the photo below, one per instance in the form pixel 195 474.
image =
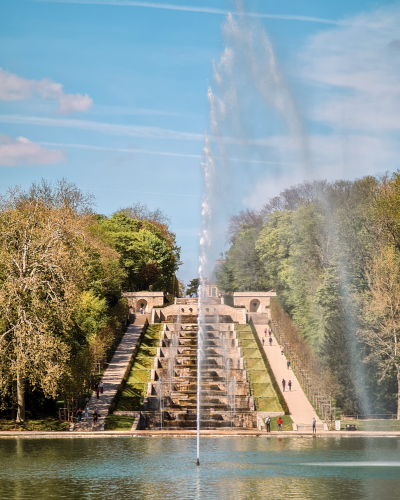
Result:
pixel 286 423
pixel 118 423
pixel 48 424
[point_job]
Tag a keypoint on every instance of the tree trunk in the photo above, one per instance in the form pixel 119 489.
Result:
pixel 20 399
pixel 398 392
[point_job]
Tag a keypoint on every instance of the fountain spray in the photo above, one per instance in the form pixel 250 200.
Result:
pixel 250 96
pixel 205 243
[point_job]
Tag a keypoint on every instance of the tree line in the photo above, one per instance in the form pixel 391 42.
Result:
pixel 63 269
pixel 331 251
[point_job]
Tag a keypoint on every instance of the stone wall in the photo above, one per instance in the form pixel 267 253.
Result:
pixel 237 315
pixel 148 299
pixel 254 302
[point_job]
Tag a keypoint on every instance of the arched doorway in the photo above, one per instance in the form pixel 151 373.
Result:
pixel 255 305
pixel 142 303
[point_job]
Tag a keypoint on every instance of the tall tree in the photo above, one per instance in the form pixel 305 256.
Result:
pixel 42 262
pixel 382 309
pixel 192 288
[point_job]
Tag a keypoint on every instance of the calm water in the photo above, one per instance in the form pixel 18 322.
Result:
pixel 231 468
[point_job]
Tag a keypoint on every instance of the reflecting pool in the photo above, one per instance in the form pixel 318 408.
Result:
pixel 234 468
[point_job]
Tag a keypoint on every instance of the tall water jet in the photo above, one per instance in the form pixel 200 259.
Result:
pixel 160 393
pixel 205 243
pixel 251 95
pixel 173 351
pixel 232 399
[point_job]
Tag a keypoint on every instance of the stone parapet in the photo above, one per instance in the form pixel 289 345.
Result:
pixel 254 302
pixel 147 300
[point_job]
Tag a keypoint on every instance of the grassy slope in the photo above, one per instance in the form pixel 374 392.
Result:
pixel 135 389
pixel 118 423
pixel 261 387
pixel 48 424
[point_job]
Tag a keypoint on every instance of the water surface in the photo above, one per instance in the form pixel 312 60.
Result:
pixel 242 468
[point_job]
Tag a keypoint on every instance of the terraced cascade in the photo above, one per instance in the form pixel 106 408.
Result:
pixel 171 401
pixel 236 387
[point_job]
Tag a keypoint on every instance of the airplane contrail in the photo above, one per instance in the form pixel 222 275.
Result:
pixel 191 8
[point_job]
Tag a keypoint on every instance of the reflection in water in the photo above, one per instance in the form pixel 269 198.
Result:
pixel 232 468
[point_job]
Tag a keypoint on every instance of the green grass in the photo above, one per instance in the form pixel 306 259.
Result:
pixel 286 423
pixel 268 404
pixel 118 423
pixel 261 386
pixel 370 425
pixel 48 424
pixel 135 390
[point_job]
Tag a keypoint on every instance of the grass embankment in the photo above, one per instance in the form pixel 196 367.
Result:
pixel 118 423
pixel 287 423
pixel 369 425
pixel 48 424
pixel 135 390
pixel 261 386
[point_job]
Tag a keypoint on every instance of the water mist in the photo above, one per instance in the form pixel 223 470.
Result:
pixel 250 103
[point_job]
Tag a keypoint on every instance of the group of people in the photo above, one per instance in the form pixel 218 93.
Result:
pixel 142 310
pixel 279 423
pixel 99 388
pixel 95 414
pixel 284 385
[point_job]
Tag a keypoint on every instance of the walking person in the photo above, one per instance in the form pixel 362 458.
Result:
pixel 283 384
pixel 270 341
pixel 288 364
pixel 95 415
pixel 268 424
pixel 265 332
pixel 101 387
pixel 279 422
pixel 290 385
pixel 79 413
pixel 98 392
pixel 263 341
pixel 270 331
pixel 87 412
pixel 314 425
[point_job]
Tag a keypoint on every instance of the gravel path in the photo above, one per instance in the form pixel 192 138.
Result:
pixel 112 378
pixel 300 408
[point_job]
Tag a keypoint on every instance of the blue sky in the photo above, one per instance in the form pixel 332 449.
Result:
pixel 113 96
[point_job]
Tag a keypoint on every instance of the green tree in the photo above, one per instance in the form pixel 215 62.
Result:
pixel 192 288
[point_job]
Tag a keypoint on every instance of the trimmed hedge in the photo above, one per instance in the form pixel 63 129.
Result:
pixel 275 385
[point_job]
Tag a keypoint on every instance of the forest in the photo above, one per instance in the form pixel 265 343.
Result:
pixel 331 251
pixel 63 269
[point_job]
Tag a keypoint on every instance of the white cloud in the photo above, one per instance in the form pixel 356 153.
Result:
pixel 359 68
pixel 105 128
pixel 15 88
pixel 334 156
pixel 191 8
pixel 22 151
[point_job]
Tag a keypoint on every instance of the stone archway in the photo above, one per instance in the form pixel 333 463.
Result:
pixel 142 303
pixel 255 305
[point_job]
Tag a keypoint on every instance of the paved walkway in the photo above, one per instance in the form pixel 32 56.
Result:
pixel 113 377
pixel 192 434
pixel 300 408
